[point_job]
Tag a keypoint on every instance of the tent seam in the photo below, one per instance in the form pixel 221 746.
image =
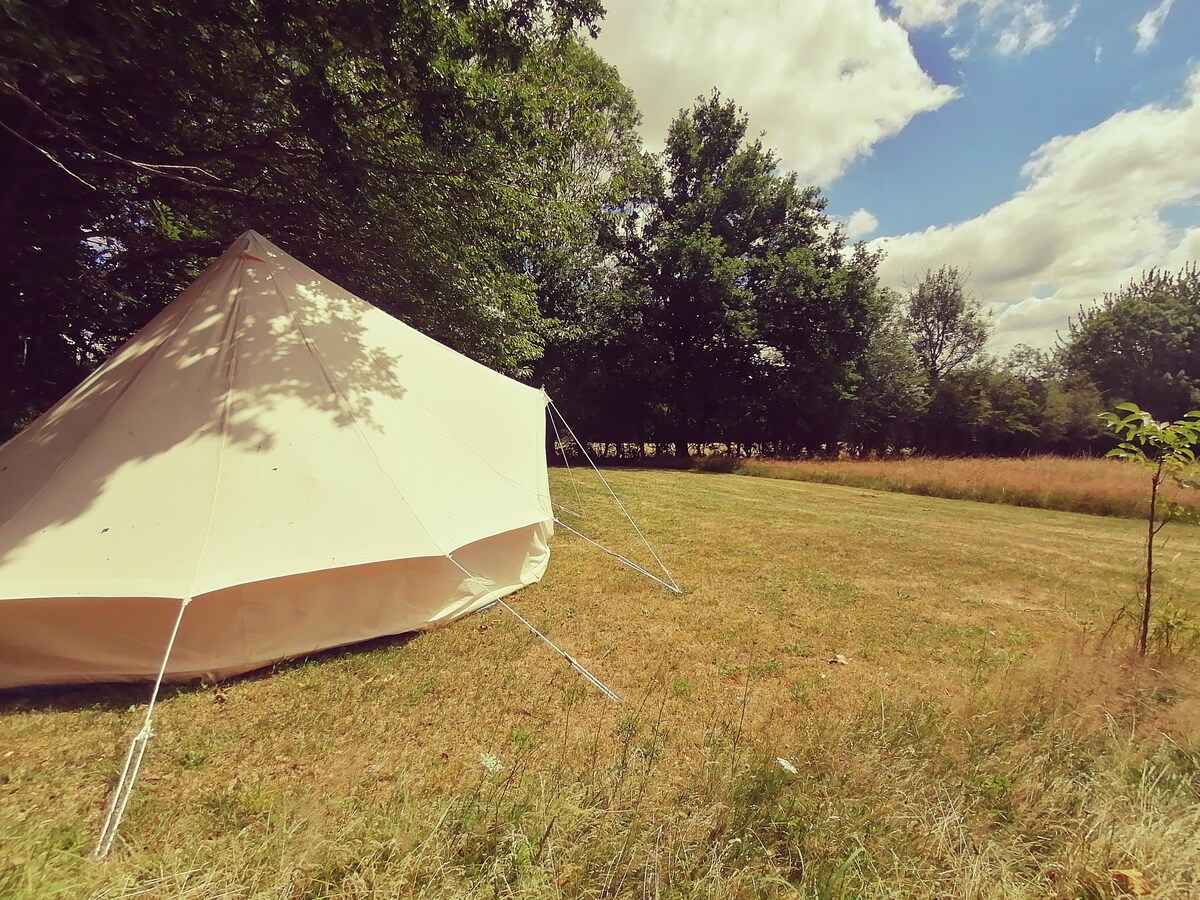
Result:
pixel 235 327
pixel 392 375
pixel 346 407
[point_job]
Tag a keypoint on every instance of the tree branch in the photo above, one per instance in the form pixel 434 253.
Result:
pixel 162 170
pixel 46 153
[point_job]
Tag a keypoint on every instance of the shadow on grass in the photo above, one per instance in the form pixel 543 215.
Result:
pixel 72 698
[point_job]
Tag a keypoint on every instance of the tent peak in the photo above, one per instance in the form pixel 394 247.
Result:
pixel 248 238
pixel 252 245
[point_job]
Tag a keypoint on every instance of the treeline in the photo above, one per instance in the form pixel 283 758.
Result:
pixel 729 315
pixel 924 383
pixel 474 168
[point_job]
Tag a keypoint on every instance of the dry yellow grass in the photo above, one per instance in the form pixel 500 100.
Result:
pixel 1073 484
pixel 981 742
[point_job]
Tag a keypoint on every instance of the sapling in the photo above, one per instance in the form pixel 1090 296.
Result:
pixel 1168 451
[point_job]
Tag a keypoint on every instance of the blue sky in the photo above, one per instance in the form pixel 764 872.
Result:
pixel 966 157
pixel 1049 147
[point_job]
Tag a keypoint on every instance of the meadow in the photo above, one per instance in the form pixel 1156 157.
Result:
pixel 1103 487
pixel 859 694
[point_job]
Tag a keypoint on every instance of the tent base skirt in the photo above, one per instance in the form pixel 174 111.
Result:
pixel 78 640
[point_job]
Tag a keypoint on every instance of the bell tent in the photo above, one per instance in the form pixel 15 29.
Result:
pixel 271 467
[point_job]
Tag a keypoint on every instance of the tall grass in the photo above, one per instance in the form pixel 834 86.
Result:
pixel 985 739
pixel 1008 794
pixel 1097 486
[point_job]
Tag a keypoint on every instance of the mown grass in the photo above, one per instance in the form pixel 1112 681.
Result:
pixel 984 739
pixel 1102 487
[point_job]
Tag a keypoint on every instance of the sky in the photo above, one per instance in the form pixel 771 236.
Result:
pixel 1050 149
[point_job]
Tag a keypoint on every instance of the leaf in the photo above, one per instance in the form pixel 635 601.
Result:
pixel 833 886
pixel 1131 881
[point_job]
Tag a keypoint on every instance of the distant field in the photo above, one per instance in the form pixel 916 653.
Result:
pixel 982 740
pixel 1103 487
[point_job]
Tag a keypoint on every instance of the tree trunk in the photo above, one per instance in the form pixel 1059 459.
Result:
pixel 1145 633
pixel 682 438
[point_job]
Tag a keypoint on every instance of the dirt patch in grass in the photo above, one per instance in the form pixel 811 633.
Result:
pixel 981 741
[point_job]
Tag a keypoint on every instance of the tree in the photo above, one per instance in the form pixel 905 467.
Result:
pixel 1066 405
pixel 1030 364
pixel 1068 421
pixel 1167 451
pixel 753 311
pixel 891 391
pixel 591 319
pixel 1142 343
pixel 948 327
pixel 693 260
pixel 364 136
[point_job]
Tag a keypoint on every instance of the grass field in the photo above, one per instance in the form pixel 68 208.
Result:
pixel 1104 487
pixel 982 739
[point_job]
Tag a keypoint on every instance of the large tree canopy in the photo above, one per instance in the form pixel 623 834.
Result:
pixel 474 168
pixel 753 310
pixel 1143 343
pixel 365 136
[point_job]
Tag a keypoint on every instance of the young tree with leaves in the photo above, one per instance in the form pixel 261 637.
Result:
pixel 1167 450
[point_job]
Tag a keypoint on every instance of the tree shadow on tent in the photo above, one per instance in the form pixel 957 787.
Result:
pixel 221 366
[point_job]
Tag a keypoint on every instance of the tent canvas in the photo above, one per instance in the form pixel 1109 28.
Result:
pixel 306 469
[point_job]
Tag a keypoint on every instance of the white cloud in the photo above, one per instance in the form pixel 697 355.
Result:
pixel 1090 218
pixel 1147 27
pixel 1031 27
pixel 826 79
pixel 859 224
pixel 921 13
pixel 960 53
pixel 1019 26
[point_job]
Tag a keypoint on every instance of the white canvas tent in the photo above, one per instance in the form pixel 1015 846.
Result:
pixel 290 465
